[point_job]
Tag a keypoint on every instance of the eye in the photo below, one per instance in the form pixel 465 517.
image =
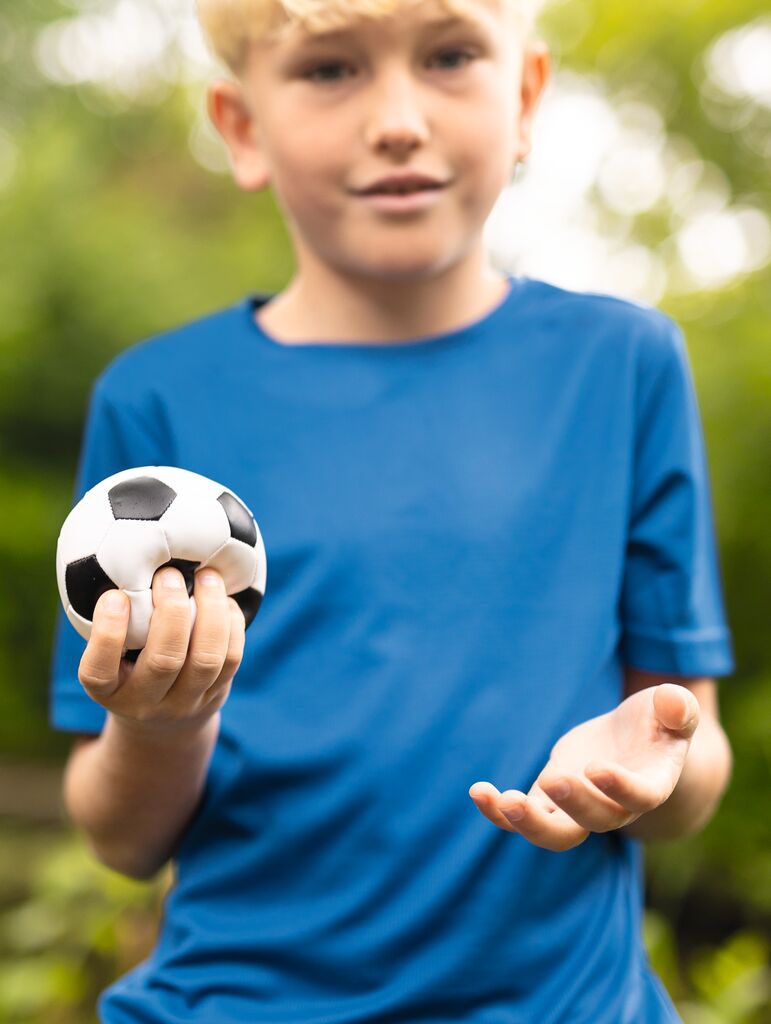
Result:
pixel 330 64
pixel 455 52
pixel 317 72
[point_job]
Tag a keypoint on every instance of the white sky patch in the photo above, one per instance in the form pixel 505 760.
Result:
pixel 739 62
pixel 716 247
pixel 125 47
pixel 632 176
pixel 596 164
pixel 547 224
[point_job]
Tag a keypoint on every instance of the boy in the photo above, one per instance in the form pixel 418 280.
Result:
pixel 491 557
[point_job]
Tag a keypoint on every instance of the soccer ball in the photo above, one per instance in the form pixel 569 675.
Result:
pixel 138 520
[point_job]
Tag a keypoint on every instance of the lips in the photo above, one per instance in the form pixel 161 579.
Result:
pixel 401 185
pixel 407 204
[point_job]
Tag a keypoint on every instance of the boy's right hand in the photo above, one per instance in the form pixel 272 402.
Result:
pixel 179 680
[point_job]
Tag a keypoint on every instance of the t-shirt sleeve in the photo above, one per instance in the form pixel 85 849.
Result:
pixel 672 611
pixel 115 437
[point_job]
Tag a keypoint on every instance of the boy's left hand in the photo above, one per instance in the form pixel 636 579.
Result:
pixel 616 767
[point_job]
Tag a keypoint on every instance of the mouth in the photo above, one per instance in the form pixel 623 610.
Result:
pixel 406 200
pixel 400 188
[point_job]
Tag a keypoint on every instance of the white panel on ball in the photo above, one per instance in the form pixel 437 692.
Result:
pixel 83 626
pixel 235 561
pixel 81 534
pixel 132 551
pixel 261 569
pixel 139 620
pixel 61 567
pixel 195 529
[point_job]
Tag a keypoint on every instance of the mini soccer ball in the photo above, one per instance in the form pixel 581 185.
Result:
pixel 139 520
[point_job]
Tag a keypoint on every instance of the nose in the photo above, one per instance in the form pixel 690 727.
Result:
pixel 396 122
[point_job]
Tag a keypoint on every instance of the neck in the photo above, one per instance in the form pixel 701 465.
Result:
pixel 322 305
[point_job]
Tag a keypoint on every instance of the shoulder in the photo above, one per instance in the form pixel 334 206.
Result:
pixel 645 333
pixel 169 357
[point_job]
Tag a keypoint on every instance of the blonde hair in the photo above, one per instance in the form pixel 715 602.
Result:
pixel 229 26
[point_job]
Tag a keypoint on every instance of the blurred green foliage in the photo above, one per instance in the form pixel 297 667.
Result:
pixel 728 984
pixel 69 926
pixel 110 232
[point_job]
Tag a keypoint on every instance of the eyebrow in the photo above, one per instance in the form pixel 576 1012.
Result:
pixel 437 23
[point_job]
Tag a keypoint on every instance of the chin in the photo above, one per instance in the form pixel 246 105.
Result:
pixel 400 266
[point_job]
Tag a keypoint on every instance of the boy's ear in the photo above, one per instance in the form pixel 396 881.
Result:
pixel 536 71
pixel 232 118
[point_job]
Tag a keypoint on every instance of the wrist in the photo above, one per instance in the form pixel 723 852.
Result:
pixel 697 795
pixel 167 735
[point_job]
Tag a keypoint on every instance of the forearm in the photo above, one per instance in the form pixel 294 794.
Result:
pixel 696 796
pixel 133 792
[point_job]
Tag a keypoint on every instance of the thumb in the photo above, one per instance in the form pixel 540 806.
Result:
pixel 676 708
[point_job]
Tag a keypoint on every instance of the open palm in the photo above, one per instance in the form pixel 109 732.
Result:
pixel 603 773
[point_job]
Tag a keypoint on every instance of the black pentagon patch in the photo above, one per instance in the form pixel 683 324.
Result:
pixel 144 497
pixel 85 582
pixel 249 602
pixel 241 523
pixel 133 654
pixel 186 567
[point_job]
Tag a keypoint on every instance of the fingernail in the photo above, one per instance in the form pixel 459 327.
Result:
pixel 115 601
pixel 560 790
pixel 172 580
pixel 209 579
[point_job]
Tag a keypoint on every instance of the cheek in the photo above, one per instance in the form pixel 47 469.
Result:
pixel 307 169
pixel 482 137
pixel 484 158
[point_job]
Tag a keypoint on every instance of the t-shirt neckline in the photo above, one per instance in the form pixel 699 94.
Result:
pixel 254 300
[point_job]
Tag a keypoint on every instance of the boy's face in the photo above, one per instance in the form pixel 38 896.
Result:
pixel 323 117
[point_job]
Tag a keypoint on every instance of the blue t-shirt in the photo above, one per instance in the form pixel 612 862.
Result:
pixel 468 535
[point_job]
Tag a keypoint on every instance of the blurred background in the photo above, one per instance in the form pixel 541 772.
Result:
pixel 119 218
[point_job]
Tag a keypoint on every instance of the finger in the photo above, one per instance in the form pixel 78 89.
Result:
pixel 163 657
pixel 99 670
pixel 220 688
pixel 586 804
pixel 631 790
pixel 676 708
pixel 486 796
pixel 541 798
pixel 208 646
pixel 516 812
pixel 555 831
